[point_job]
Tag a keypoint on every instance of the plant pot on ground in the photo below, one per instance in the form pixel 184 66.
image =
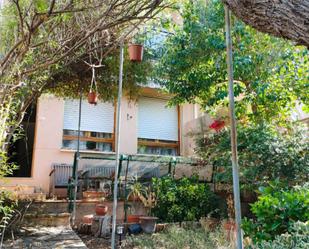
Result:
pixel 133 218
pixel 136 52
pixel 136 190
pixel 101 209
pixel 148 223
pixel 229 227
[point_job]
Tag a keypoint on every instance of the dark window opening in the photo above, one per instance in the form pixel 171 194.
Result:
pixel 21 151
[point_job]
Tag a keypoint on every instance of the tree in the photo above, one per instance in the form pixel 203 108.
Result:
pixel 41 39
pixel 286 19
pixel 270 73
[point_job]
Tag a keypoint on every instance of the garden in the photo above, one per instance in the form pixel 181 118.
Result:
pixel 60 49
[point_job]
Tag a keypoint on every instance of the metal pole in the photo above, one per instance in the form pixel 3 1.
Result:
pixel 118 119
pixel 77 157
pixel 229 60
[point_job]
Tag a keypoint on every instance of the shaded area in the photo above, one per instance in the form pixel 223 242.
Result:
pixel 46 237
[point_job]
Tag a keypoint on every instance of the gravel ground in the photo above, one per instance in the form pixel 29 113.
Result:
pixel 100 243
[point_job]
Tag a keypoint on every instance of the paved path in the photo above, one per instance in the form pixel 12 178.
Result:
pixel 46 238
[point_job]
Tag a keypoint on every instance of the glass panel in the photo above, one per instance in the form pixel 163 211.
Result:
pixel 87 145
pixel 157 150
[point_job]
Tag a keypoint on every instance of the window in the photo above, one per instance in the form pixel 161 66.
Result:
pixel 157 127
pixel 97 126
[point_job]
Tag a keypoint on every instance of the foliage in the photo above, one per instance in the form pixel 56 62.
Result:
pixel 7 205
pixel 264 154
pixel 270 73
pixel 276 210
pixel 67 82
pixel 182 200
pixel 136 189
pixel 46 41
pixel 178 237
pixel 297 237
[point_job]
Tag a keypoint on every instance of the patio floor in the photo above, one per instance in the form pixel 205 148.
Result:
pixel 46 238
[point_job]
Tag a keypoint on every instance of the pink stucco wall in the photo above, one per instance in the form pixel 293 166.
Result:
pixel 48 138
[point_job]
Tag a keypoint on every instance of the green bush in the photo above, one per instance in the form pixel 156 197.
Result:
pixel 264 154
pixel 183 200
pixel 297 238
pixel 276 211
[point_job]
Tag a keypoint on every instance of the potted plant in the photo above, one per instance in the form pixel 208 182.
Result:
pixel 136 52
pixel 136 191
pixel 229 225
pixel 100 208
pixel 148 223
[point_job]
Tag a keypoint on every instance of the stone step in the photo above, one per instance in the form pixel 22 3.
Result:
pixel 25 192
pixel 47 220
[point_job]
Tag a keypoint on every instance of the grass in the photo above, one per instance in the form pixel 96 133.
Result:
pixel 180 238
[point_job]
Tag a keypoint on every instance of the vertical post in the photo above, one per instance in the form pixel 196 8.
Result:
pixel 118 119
pixel 229 60
pixel 125 190
pixel 76 163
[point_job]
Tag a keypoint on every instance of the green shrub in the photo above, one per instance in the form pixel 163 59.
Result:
pixel 297 238
pixel 264 154
pixel 183 200
pixel 276 211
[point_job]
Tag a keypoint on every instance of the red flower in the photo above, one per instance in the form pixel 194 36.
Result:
pixel 217 125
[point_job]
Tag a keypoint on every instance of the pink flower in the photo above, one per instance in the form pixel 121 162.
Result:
pixel 217 125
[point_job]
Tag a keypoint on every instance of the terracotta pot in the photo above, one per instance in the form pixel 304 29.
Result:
pixel 101 209
pixel 133 218
pixel 229 226
pixel 148 223
pixel 230 229
pixel 92 98
pixel 134 198
pixel 136 52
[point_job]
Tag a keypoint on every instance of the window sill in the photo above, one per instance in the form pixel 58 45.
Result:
pixel 156 155
pixel 88 151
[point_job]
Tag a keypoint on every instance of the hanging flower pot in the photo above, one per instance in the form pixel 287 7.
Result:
pixel 92 95
pixel 92 98
pixel 136 52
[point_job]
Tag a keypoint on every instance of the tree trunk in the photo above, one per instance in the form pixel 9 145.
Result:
pixel 282 18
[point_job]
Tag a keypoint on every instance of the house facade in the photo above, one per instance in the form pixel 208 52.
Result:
pixel 148 127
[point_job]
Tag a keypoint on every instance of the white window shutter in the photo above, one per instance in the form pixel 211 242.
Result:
pixel 97 118
pixel 156 121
